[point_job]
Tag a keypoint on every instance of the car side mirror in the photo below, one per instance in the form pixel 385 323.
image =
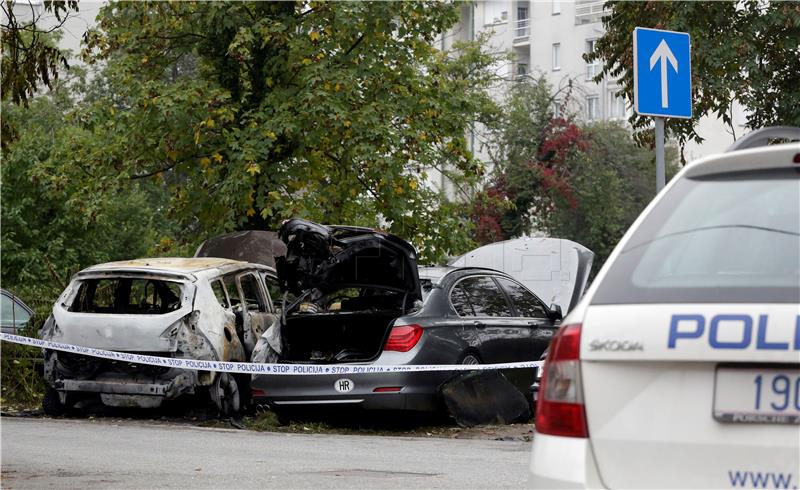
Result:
pixel 555 312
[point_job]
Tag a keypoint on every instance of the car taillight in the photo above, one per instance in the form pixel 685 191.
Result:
pixel 560 410
pixel 403 338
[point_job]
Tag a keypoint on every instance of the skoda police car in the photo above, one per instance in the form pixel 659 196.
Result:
pixel 681 365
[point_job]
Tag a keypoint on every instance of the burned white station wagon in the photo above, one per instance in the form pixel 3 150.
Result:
pixel 198 308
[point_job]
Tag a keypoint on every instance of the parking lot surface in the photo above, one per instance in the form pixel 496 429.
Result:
pixel 40 453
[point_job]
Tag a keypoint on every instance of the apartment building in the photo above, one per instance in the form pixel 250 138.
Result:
pixel 550 37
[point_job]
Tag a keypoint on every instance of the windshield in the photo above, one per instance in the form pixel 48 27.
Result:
pixel 730 238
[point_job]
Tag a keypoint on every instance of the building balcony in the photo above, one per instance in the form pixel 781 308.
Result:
pixel 588 11
pixel 522 32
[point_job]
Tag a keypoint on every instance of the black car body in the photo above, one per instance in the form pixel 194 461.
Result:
pixel 363 300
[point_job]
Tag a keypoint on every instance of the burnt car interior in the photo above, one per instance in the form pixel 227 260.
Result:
pixel 351 284
pixel 125 295
pixel 350 324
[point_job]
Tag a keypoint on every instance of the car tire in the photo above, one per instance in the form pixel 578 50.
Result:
pixel 245 395
pixel 225 394
pixel 51 403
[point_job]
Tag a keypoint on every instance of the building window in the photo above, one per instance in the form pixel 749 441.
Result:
pixel 523 22
pixel 592 107
pixel 522 12
pixel 593 68
pixel 557 108
pixel 556 7
pixel 616 106
pixel 556 56
pixel 522 70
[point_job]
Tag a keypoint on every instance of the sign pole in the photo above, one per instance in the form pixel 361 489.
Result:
pixel 661 176
pixel 662 82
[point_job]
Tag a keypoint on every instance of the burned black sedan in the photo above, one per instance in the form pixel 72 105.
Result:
pixel 362 299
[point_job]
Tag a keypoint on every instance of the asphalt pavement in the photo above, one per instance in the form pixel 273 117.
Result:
pixel 48 453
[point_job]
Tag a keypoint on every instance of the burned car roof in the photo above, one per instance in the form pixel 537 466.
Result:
pixel 169 265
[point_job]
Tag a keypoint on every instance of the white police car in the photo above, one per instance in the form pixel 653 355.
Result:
pixel 681 366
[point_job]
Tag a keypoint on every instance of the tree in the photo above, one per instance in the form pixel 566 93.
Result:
pixel 583 182
pixel 612 181
pixel 30 56
pixel 748 51
pixel 528 163
pixel 47 235
pixel 255 112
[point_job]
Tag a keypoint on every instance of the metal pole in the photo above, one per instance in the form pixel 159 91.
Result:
pixel 661 175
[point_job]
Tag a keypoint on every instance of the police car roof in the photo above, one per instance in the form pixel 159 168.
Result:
pixel 785 155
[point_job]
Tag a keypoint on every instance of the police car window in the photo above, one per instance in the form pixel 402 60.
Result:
pixel 485 297
pixel 458 296
pixel 731 238
pixel 525 302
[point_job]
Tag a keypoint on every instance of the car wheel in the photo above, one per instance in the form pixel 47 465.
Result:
pixel 470 359
pixel 51 404
pixel 245 395
pixel 225 394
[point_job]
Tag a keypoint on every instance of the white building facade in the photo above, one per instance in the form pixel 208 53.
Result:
pixel 550 37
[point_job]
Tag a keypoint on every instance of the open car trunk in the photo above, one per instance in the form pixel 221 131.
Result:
pixel 330 338
pixel 351 284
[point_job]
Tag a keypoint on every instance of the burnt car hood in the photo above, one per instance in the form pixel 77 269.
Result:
pixel 327 258
pixel 254 246
pixel 557 270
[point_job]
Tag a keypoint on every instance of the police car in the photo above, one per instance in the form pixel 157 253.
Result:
pixel 681 365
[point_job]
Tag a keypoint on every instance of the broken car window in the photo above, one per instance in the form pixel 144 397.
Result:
pixel 219 292
pixel 233 291
pixel 252 293
pixel 127 296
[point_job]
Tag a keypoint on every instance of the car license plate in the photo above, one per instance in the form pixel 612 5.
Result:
pixel 757 395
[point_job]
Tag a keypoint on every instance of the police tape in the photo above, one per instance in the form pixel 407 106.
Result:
pixel 257 367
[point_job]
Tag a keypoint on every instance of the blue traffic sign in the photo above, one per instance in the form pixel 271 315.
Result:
pixel 662 73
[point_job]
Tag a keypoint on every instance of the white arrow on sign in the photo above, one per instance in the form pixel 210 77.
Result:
pixel 664 54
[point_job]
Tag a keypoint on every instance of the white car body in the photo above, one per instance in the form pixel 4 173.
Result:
pixel 217 310
pixel 664 386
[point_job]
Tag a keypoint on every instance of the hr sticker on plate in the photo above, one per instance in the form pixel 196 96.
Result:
pixel 343 385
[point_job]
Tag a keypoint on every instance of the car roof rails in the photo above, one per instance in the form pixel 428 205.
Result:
pixel 763 136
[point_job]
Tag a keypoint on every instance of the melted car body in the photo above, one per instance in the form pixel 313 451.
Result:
pixel 201 308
